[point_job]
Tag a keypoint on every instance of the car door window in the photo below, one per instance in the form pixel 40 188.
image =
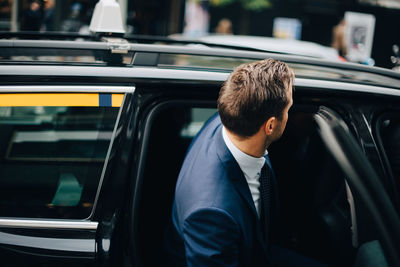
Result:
pixel 52 152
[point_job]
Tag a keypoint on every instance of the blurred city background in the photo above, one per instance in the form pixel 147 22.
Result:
pixel 371 26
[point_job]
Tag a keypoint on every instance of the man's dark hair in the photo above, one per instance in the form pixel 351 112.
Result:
pixel 252 94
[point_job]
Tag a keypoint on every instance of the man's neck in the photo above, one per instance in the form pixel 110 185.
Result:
pixel 254 146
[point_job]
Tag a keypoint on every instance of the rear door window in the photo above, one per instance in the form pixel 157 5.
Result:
pixel 53 147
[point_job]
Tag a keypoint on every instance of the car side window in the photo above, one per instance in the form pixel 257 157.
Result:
pixel 52 152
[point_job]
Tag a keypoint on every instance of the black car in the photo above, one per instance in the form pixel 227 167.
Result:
pixel 93 135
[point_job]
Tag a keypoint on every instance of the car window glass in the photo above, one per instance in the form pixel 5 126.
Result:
pixel 198 116
pixel 52 152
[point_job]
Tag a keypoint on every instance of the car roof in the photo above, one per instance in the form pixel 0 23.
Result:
pixel 172 54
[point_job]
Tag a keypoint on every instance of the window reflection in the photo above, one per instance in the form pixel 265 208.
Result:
pixel 51 159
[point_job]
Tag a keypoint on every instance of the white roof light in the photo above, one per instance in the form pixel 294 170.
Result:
pixel 107 18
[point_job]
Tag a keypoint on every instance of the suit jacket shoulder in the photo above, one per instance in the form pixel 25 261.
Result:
pixel 205 179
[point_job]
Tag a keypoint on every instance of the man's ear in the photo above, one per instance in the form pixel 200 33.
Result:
pixel 269 126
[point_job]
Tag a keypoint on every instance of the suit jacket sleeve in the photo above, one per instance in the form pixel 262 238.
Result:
pixel 211 238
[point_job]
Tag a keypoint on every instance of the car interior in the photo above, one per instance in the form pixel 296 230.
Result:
pixel 388 134
pixel 315 202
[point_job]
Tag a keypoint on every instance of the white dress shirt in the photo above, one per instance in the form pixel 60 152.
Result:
pixel 250 166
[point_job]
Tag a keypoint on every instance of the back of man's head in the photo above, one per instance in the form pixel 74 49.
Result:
pixel 252 94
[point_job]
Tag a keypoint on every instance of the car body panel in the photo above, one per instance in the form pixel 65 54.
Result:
pixel 111 234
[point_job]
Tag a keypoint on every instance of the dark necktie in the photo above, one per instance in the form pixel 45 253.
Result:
pixel 265 195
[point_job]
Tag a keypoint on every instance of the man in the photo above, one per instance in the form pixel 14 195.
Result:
pixel 339 38
pixel 32 17
pixel 219 217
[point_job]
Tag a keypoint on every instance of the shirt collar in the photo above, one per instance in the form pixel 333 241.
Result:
pixel 249 165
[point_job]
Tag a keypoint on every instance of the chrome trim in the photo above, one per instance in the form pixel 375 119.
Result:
pixel 48 224
pixel 343 86
pixel 52 244
pixel 113 72
pixel 68 89
pixel 107 159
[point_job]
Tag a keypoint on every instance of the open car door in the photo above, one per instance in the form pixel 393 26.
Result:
pixel 370 197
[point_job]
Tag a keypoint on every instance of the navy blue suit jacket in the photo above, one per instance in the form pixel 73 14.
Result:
pixel 214 220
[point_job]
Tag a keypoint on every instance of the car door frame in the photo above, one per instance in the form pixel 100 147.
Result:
pixel 76 240
pixel 362 180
